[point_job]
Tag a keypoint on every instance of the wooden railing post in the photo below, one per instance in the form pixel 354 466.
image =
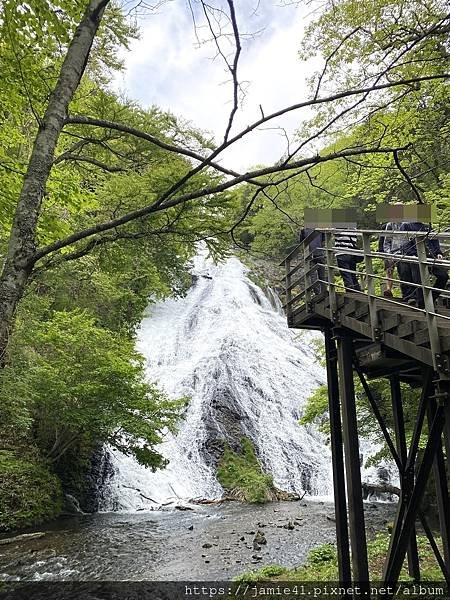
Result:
pixel 308 276
pixel 374 322
pixel 330 270
pixel 435 343
pixel 287 263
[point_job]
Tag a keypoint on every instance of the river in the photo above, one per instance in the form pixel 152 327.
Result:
pixel 168 544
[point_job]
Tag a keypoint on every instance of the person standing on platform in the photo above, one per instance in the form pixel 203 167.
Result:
pixel 315 247
pixel 409 271
pixel 392 244
pixel 345 260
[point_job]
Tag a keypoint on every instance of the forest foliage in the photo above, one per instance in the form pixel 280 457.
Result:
pixel 71 377
pixel 360 43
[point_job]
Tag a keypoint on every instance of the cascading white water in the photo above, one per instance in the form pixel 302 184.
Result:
pixel 229 348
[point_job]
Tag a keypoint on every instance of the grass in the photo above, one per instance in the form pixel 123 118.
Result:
pixel 322 564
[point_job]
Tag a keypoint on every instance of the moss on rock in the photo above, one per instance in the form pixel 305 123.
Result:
pixel 29 492
pixel 242 476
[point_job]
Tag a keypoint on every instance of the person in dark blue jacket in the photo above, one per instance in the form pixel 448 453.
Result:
pixel 410 273
pixel 315 246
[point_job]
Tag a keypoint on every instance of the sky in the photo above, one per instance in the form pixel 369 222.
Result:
pixel 168 68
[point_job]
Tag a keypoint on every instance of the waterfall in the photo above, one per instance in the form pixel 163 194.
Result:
pixel 227 346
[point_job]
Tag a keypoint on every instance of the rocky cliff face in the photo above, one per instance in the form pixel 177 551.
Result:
pixel 100 472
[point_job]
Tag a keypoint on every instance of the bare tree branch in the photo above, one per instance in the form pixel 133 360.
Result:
pixel 93 161
pixel 233 69
pixel 407 177
pixel 202 193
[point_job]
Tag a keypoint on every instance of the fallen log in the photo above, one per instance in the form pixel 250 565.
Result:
pixel 383 488
pixel 21 537
pixel 148 498
pixel 210 501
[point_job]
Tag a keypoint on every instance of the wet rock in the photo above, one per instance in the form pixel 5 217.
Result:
pixel 71 506
pixel 260 538
pixel 99 473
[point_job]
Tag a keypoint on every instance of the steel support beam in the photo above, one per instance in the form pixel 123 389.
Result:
pixel 408 469
pixel 402 530
pixel 337 455
pixel 442 498
pixel 352 461
pixel 443 397
pixel 434 546
pixel 405 482
pixel 377 414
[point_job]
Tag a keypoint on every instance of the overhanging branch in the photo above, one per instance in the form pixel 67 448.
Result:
pixel 203 193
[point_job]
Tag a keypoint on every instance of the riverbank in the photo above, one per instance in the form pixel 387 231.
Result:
pixel 205 543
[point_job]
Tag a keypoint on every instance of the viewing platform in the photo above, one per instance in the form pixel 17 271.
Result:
pixel 371 333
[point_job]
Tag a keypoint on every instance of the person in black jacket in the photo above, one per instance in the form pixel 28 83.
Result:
pixel 315 247
pixel 410 273
pixel 344 260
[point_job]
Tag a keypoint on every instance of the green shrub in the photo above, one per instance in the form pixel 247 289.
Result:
pixel 241 474
pixel 322 554
pixel 29 492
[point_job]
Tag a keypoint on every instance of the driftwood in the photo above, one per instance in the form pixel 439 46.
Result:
pixel 148 498
pixel 237 495
pixel 208 501
pixel 23 536
pixel 383 488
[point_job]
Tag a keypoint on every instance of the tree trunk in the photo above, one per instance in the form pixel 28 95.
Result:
pixel 20 260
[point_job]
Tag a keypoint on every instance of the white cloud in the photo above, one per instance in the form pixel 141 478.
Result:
pixel 166 67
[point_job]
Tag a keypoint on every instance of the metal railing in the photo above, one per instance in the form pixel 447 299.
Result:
pixel 311 275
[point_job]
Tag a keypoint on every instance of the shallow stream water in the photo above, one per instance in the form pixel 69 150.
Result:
pixel 168 545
